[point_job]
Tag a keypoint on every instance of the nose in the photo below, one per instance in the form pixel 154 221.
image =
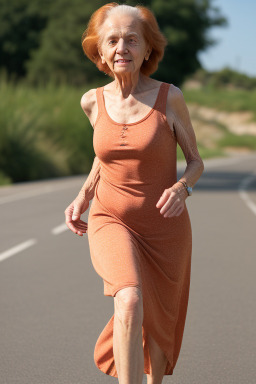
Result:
pixel 121 46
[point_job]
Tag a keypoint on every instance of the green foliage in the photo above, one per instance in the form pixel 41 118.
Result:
pixel 185 23
pixel 21 23
pixel 4 179
pixel 60 57
pixel 43 133
pixel 41 40
pixel 225 77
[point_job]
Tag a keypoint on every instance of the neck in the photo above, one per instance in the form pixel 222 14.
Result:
pixel 129 83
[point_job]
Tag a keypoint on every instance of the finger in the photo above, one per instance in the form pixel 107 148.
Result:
pixel 180 211
pixel 77 223
pixel 81 231
pixel 74 228
pixel 82 227
pixel 170 205
pixel 175 206
pixel 77 231
pixel 169 212
pixel 71 226
pixel 177 212
pixel 162 199
pixel 81 222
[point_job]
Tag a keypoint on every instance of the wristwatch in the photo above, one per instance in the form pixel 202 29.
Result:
pixel 189 189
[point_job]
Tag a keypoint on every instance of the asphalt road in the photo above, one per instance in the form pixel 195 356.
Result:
pixel 52 303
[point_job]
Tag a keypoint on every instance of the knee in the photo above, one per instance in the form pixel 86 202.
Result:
pixel 129 307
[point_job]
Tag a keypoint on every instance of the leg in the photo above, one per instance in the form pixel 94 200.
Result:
pixel 158 361
pixel 127 335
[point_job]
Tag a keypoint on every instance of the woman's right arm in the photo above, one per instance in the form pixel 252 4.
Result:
pixel 87 190
pixel 81 203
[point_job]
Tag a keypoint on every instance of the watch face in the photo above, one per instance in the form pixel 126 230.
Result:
pixel 190 190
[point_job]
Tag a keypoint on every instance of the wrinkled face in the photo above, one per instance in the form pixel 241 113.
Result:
pixel 122 45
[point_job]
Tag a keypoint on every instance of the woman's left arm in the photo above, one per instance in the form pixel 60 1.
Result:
pixel 172 201
pixel 186 138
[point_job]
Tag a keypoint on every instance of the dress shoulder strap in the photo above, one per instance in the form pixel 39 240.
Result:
pixel 99 97
pixel 162 98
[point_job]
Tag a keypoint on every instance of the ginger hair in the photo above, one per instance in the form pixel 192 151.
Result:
pixel 91 38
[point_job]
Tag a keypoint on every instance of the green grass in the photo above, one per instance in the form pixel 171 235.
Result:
pixel 43 133
pixel 223 99
pixel 241 141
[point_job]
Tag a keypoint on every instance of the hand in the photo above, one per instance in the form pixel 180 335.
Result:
pixel 172 201
pixel 73 213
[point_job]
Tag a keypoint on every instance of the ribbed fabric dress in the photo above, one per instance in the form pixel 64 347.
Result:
pixel 131 243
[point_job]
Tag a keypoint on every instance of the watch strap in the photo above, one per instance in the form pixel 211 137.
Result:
pixel 185 185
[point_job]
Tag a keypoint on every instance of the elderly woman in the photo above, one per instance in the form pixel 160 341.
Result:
pixel 139 230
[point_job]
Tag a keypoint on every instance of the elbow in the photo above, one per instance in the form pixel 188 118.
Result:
pixel 201 165
pixel 198 162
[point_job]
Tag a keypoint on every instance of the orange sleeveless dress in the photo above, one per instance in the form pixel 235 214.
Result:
pixel 131 243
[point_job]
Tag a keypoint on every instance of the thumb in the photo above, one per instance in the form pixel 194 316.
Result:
pixel 76 213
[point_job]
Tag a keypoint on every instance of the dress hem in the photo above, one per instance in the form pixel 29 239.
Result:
pixel 114 292
pixel 113 373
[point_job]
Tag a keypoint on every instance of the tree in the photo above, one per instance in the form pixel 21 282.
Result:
pixel 21 22
pixel 60 57
pixel 44 44
pixel 185 24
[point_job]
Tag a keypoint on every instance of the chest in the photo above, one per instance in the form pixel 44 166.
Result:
pixel 148 140
pixel 128 114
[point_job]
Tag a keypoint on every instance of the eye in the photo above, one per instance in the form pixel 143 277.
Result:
pixel 112 41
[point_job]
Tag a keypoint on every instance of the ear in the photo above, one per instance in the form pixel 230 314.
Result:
pixel 102 57
pixel 99 42
pixel 148 52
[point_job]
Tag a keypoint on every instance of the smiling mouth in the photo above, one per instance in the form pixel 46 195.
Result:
pixel 122 61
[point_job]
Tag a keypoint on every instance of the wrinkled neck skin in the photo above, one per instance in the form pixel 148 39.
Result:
pixel 129 83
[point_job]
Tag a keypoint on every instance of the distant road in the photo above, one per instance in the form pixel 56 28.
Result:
pixel 52 303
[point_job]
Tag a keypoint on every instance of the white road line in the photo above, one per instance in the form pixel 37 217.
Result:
pixel 37 192
pixel 242 189
pixel 18 248
pixel 61 228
